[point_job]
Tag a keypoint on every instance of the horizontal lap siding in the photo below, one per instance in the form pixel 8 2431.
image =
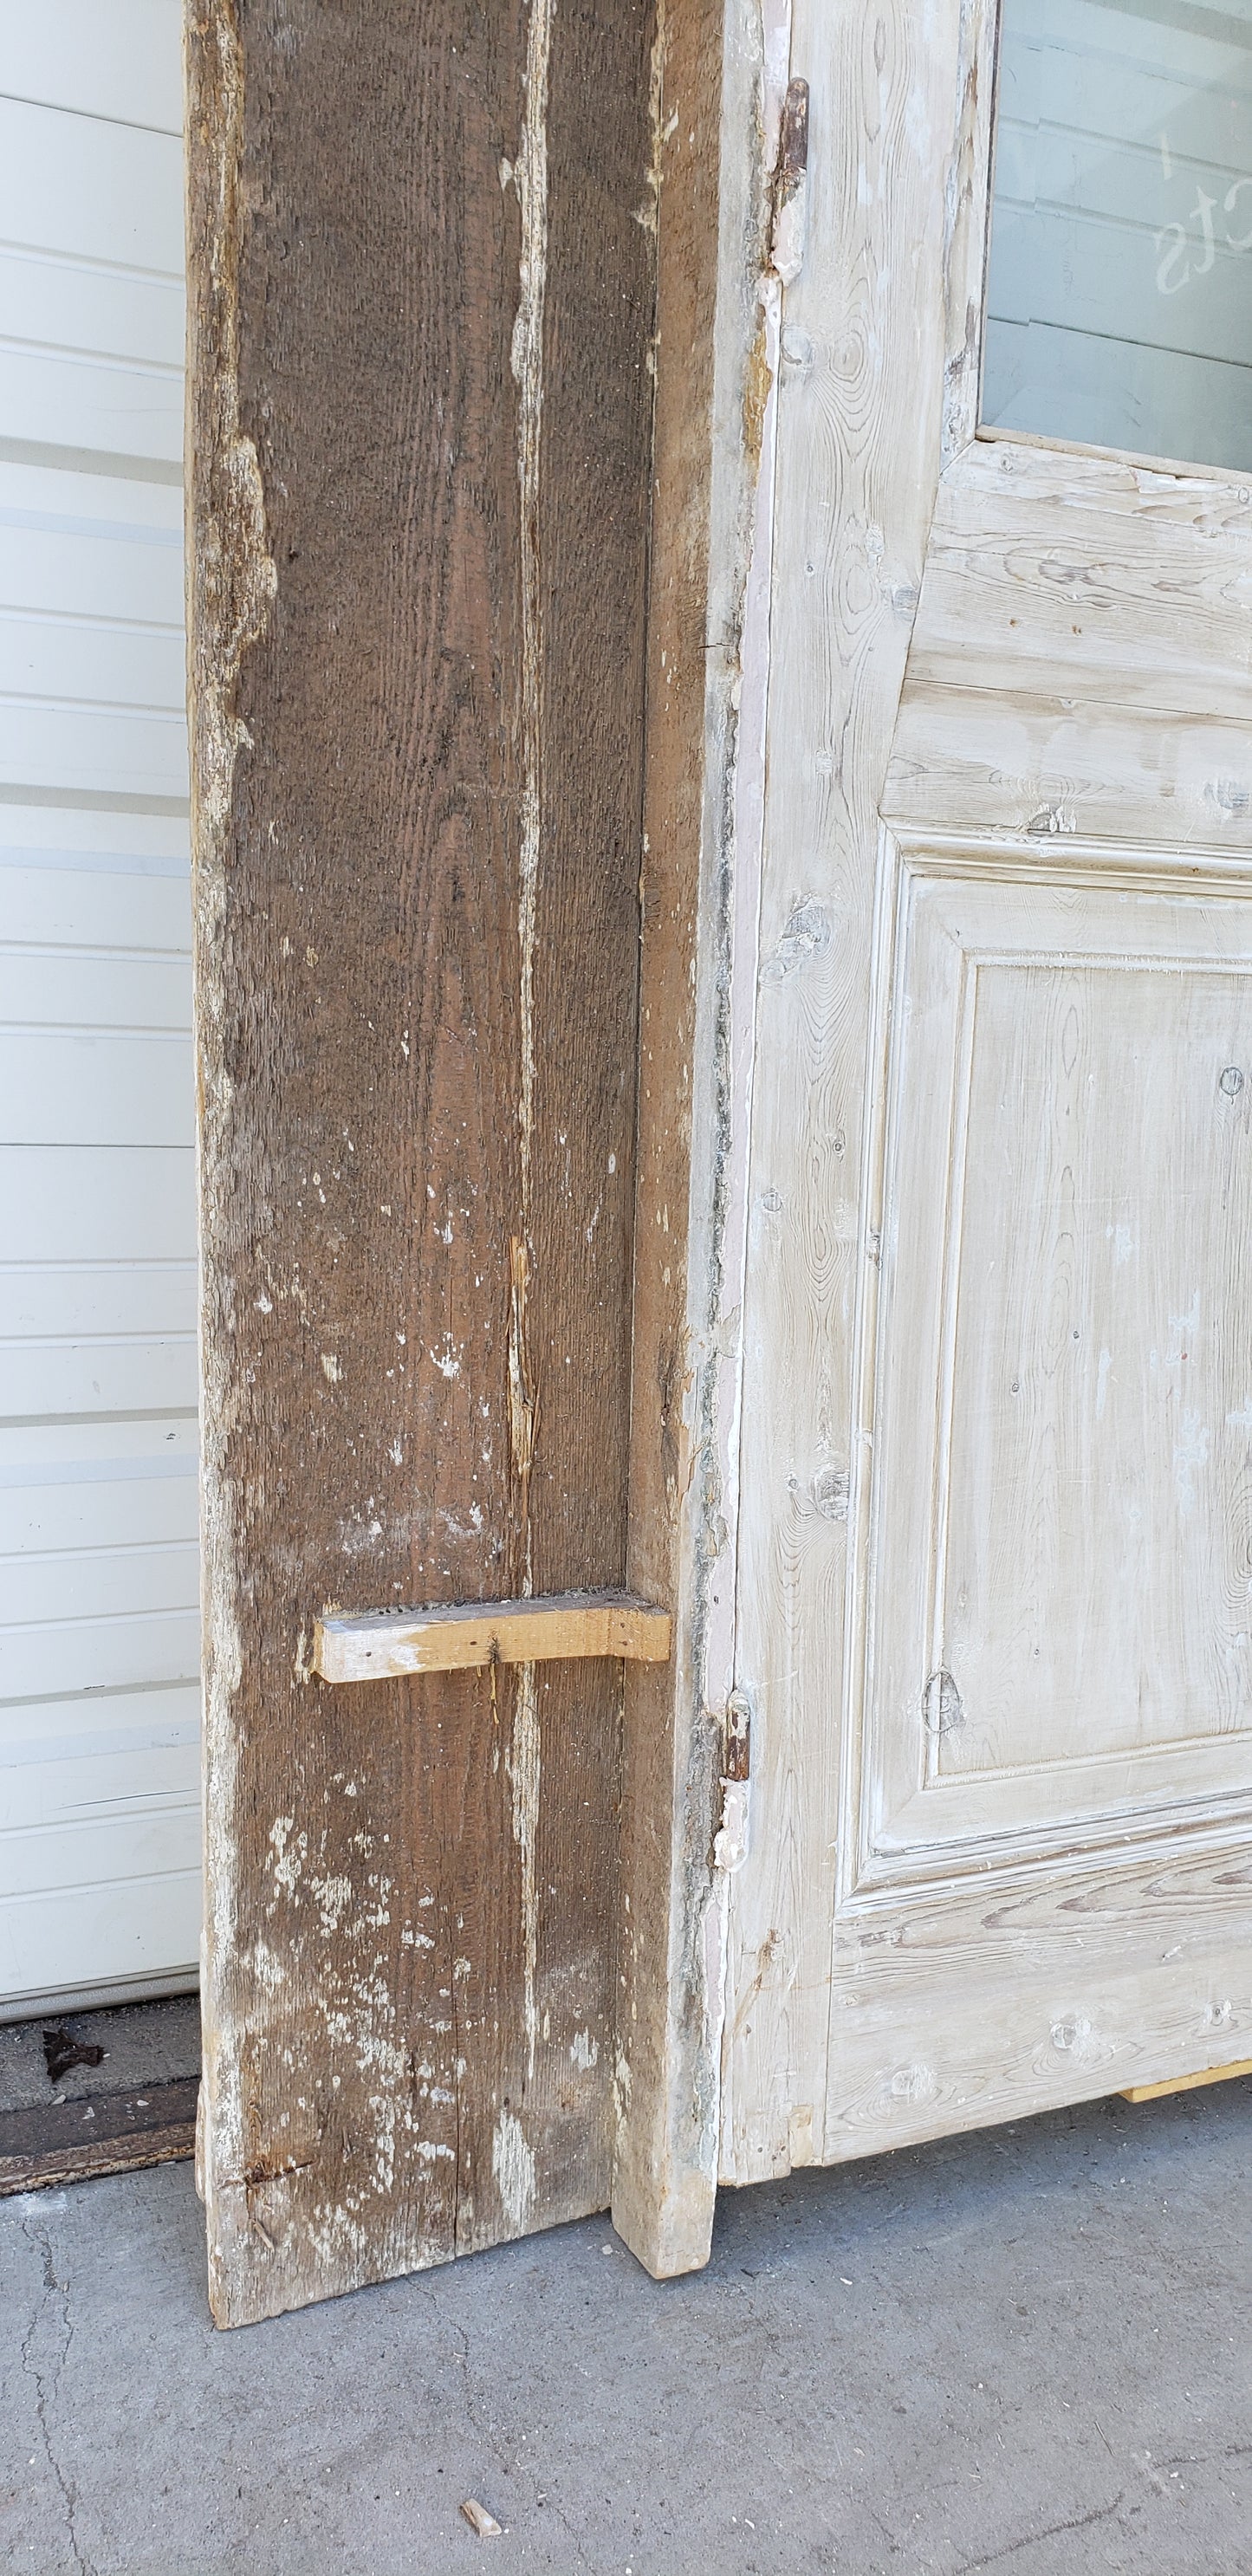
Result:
pixel 99 1621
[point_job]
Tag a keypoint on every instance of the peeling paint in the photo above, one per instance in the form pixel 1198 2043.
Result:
pixel 266 1968
pixel 334 1896
pixel 523 1766
pixel 530 177
pixel 523 1409
pixel 661 128
pixel 531 180
pixel 232 583
pixel 513 2165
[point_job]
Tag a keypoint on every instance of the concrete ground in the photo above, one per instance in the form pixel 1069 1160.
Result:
pixel 141 2044
pixel 1026 2352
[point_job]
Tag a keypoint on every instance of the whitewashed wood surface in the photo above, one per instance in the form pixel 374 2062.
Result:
pixel 995 1575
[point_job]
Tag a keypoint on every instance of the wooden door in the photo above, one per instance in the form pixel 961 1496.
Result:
pixel 995 1568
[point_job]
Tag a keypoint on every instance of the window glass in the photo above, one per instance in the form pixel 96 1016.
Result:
pixel 1119 289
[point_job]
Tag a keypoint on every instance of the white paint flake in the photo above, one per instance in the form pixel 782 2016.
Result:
pixel 531 180
pixel 513 2165
pixel 523 1765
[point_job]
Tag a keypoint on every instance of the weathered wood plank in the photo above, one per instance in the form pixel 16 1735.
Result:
pixel 47 2143
pixel 860 408
pixel 711 210
pixel 456 1638
pixel 422 303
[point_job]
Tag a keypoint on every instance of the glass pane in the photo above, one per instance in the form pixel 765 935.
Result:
pixel 1119 292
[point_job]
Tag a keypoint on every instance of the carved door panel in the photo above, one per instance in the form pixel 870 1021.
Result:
pixel 995 1586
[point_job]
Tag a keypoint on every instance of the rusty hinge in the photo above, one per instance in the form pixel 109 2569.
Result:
pixel 791 185
pixel 730 1847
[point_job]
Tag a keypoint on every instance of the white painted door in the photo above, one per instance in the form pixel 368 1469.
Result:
pixel 995 1586
pixel 99 1629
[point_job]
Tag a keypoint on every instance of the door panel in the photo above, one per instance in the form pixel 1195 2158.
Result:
pixel 1060 1625
pixel 995 1581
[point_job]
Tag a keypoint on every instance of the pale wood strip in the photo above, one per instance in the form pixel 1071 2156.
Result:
pixel 1188 2083
pixel 968 199
pixel 455 1637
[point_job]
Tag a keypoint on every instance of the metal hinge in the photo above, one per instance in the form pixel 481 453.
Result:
pixel 791 185
pixel 730 1848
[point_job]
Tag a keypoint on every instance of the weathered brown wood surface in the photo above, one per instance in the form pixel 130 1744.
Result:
pixel 422 300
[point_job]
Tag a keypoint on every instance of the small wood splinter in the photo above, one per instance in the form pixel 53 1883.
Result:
pixel 480 2520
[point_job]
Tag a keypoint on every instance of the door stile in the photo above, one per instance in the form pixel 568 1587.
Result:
pixel 884 1009
pixel 868 339
pixel 719 90
pixel 969 185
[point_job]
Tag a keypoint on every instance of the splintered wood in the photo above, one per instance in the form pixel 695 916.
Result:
pixel 468 1635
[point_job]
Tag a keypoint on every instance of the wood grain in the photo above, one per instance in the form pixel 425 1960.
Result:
pixel 418 765
pixel 711 211
pixel 858 456
pixel 384 1643
pixel 967 224
pixel 1053 576
pixel 993 1605
pixel 1062 1497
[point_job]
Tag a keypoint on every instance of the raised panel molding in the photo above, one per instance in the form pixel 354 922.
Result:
pixel 1009 791
pixel 1059 1415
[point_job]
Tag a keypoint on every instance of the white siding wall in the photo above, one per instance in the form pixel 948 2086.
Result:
pixel 99 1633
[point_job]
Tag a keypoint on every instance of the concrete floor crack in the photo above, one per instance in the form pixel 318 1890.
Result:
pixel 47 2381
pixel 509 2461
pixel 1049 2531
